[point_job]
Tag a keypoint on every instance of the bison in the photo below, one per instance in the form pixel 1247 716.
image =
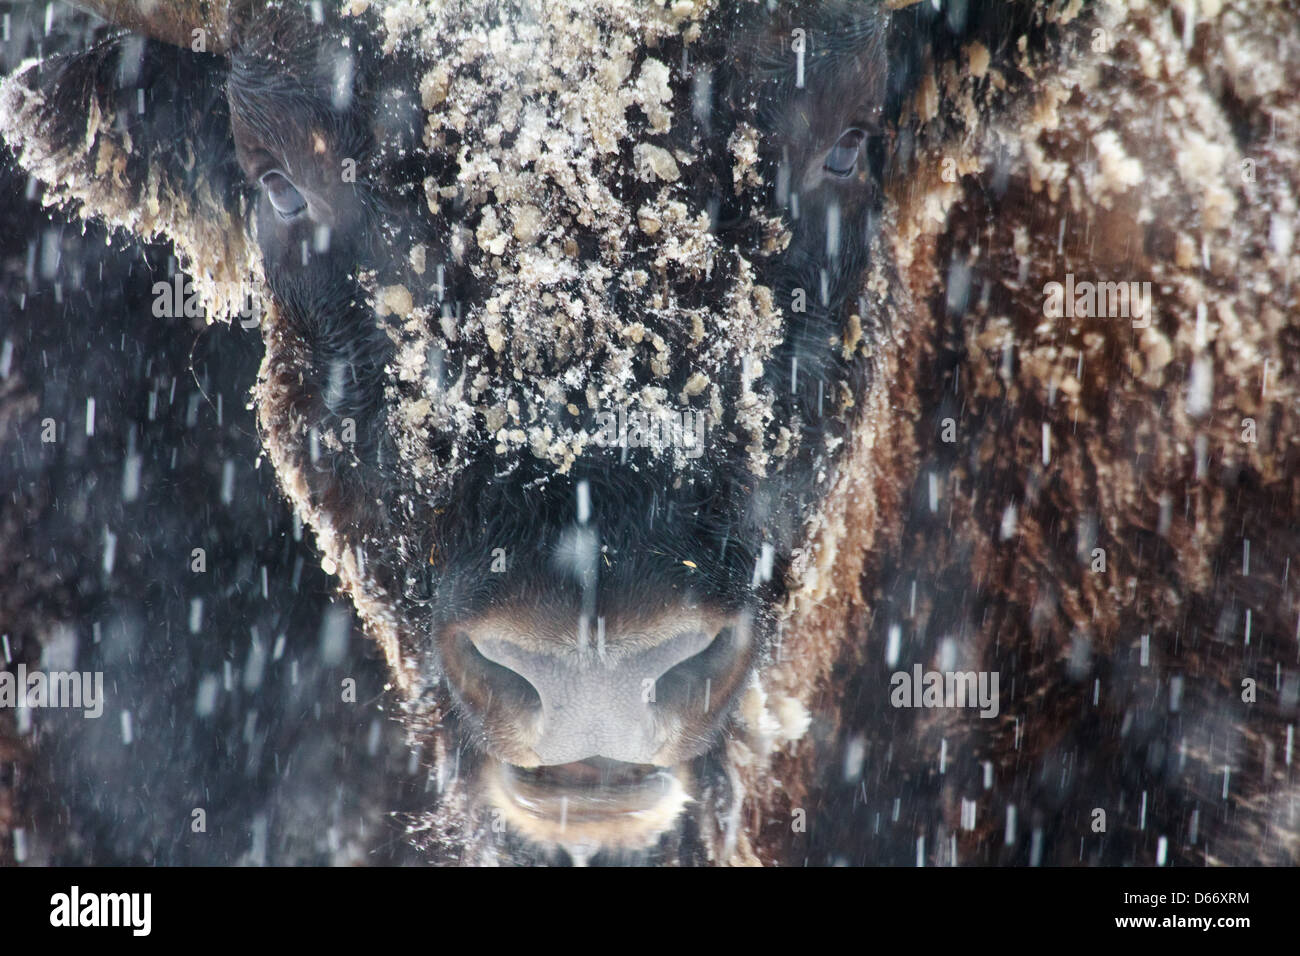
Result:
pixel 833 432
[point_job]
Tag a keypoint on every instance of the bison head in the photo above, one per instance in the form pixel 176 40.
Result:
pixel 572 324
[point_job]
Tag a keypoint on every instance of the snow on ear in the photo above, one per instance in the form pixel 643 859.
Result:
pixel 136 133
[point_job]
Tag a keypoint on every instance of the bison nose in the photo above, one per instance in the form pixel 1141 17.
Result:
pixel 639 694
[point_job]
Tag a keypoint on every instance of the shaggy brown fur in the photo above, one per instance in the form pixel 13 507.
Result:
pixel 1128 160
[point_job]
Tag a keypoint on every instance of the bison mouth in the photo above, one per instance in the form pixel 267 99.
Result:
pixel 590 804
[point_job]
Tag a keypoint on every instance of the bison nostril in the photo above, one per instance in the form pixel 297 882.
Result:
pixel 654 690
pixel 487 686
pixel 705 679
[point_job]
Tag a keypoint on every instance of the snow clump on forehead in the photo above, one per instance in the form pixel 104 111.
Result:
pixel 569 210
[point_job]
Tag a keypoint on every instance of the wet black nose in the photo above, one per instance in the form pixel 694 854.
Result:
pixel 630 692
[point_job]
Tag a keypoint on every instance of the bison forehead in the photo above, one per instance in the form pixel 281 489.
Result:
pixel 599 281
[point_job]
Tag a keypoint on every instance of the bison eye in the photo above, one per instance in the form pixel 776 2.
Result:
pixel 285 198
pixel 842 160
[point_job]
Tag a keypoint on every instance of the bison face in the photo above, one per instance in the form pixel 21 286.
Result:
pixel 565 331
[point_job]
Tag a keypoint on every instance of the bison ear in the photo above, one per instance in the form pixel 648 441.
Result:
pixel 137 133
